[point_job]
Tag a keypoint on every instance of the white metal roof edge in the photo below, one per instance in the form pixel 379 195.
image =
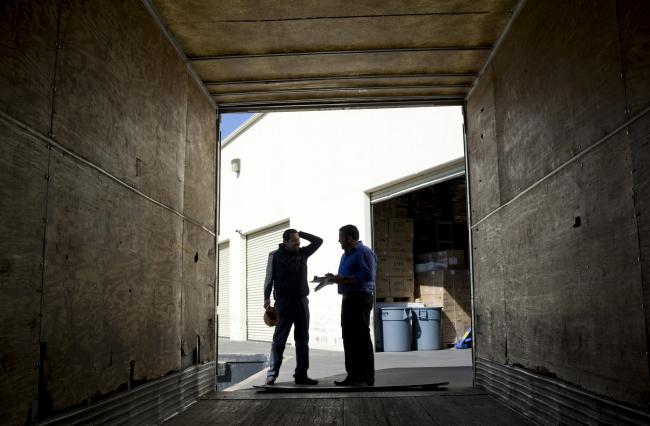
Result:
pixel 241 129
pixel 264 227
pixel 421 179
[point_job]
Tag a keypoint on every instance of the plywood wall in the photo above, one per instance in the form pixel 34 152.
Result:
pixel 559 196
pixel 107 262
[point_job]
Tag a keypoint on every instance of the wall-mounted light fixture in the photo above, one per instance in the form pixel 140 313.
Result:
pixel 235 165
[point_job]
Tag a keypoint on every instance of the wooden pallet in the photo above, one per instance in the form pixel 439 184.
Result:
pixel 395 299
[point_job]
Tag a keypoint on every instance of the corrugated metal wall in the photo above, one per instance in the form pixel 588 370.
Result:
pixel 223 309
pixel 258 247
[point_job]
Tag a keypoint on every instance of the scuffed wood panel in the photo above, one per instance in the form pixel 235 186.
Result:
pixel 199 268
pixel 112 286
pixel 27 54
pixel 489 291
pixel 121 96
pixel 199 158
pixel 634 21
pixel 557 87
pixel 482 150
pixel 639 137
pixel 573 289
pixel 23 168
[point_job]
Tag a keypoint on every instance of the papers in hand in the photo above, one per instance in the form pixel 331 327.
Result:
pixel 323 281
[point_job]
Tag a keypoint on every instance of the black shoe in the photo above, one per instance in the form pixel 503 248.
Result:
pixel 270 380
pixel 306 381
pixel 352 382
pixel 344 382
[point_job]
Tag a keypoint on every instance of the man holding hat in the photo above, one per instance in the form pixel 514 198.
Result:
pixel 286 275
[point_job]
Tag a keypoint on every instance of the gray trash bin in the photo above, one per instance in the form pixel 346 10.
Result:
pixel 396 329
pixel 426 328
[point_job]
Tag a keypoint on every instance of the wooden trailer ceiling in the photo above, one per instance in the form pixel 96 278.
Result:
pixel 271 55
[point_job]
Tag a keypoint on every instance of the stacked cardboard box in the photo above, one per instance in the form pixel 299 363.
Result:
pixel 457 308
pixel 394 247
pixel 446 259
pixel 442 282
pixel 430 287
pixel 395 208
pixel 380 245
pixel 400 253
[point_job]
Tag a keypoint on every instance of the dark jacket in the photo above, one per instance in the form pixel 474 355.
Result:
pixel 286 272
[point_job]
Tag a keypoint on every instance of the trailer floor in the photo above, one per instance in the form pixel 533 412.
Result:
pixel 247 407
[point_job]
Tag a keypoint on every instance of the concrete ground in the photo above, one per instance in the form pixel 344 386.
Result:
pixel 392 368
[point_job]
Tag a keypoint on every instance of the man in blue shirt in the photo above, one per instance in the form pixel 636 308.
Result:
pixel 356 283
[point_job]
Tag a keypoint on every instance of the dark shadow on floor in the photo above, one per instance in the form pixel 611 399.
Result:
pixel 458 377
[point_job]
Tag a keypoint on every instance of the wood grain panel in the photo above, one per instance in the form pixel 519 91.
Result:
pixel 27 54
pixel 482 149
pixel 199 174
pixel 112 286
pixel 198 311
pixel 557 87
pixel 121 96
pixel 573 279
pixel 634 24
pixel 489 291
pixel 639 139
pixel 23 186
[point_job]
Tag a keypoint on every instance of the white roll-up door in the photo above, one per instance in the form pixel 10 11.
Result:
pixel 223 308
pixel 258 246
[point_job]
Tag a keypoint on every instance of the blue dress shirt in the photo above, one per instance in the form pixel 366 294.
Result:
pixel 360 262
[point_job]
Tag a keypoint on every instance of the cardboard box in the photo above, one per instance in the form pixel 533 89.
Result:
pixel 400 228
pixel 424 290
pixel 382 285
pixel 391 208
pixel 430 295
pixel 400 211
pixel 430 278
pixel 383 261
pixel 401 285
pixel 380 226
pixel 380 244
pixel 431 300
pixel 400 245
pixel 457 286
pixel 401 267
pixel 447 259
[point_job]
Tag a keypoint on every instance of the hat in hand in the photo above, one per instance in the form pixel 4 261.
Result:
pixel 270 316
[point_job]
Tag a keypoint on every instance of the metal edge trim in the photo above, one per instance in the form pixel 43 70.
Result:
pixel 181 54
pixel 201 376
pixel 542 398
pixel 496 46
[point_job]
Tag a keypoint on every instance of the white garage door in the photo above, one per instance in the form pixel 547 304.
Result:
pixel 258 247
pixel 223 308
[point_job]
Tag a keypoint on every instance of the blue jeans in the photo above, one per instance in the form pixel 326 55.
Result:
pixel 291 312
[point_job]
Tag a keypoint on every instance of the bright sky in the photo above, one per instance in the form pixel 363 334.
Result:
pixel 230 123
